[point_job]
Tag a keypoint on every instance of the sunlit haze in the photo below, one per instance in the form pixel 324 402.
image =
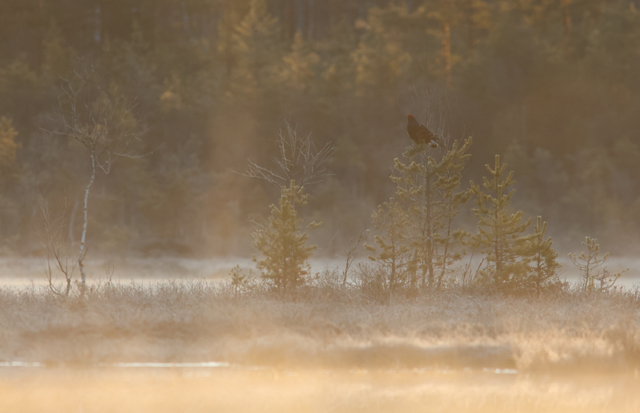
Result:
pixel 299 205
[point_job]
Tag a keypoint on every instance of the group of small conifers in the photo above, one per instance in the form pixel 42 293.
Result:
pixel 416 244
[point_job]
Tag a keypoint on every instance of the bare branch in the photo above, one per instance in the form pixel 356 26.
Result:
pixel 53 241
pixel 352 252
pixel 299 159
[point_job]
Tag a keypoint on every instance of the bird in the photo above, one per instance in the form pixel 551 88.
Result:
pixel 421 134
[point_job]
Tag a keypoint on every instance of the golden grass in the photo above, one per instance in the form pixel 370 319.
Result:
pixel 330 349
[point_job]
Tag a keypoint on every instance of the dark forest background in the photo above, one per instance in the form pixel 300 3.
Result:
pixel 552 85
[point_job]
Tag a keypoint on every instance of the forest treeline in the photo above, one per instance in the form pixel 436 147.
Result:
pixel 552 85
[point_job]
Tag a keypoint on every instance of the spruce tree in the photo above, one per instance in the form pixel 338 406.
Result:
pixel 500 232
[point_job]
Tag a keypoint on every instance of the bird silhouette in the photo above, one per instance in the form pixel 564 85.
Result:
pixel 421 134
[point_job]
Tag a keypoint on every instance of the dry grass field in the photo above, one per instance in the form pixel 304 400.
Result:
pixel 329 348
pixel 325 326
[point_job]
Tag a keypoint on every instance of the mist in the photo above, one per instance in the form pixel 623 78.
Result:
pixel 286 205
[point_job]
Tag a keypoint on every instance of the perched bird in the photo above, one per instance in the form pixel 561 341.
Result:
pixel 421 134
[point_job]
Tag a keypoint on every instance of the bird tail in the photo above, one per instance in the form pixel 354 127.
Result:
pixel 437 142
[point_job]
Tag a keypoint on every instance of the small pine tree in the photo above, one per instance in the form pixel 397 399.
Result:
pixel 394 254
pixel 500 233
pixel 283 243
pixel 238 280
pixel 543 259
pixel 591 266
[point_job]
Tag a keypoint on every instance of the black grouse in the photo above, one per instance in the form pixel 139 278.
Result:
pixel 421 134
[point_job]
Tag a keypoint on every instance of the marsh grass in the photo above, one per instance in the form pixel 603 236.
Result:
pixel 323 325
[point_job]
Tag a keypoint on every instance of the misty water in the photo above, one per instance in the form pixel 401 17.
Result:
pixel 231 390
pixel 22 273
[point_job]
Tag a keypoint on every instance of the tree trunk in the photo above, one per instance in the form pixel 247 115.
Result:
pixel 392 278
pixel 429 229
pixel 446 51
pixel 310 19
pixel 446 246
pixel 98 35
pixel 83 249
pixel 566 16
pixel 186 20
pixel 300 13
pixel 498 248
pixel 72 222
pixel 498 231
pixel 539 274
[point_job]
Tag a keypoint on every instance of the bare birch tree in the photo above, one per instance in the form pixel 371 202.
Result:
pixel 99 117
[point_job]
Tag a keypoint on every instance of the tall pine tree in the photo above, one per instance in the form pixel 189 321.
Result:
pixel 429 186
pixel 257 51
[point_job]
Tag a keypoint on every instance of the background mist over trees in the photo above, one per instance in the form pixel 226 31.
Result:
pixel 551 85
